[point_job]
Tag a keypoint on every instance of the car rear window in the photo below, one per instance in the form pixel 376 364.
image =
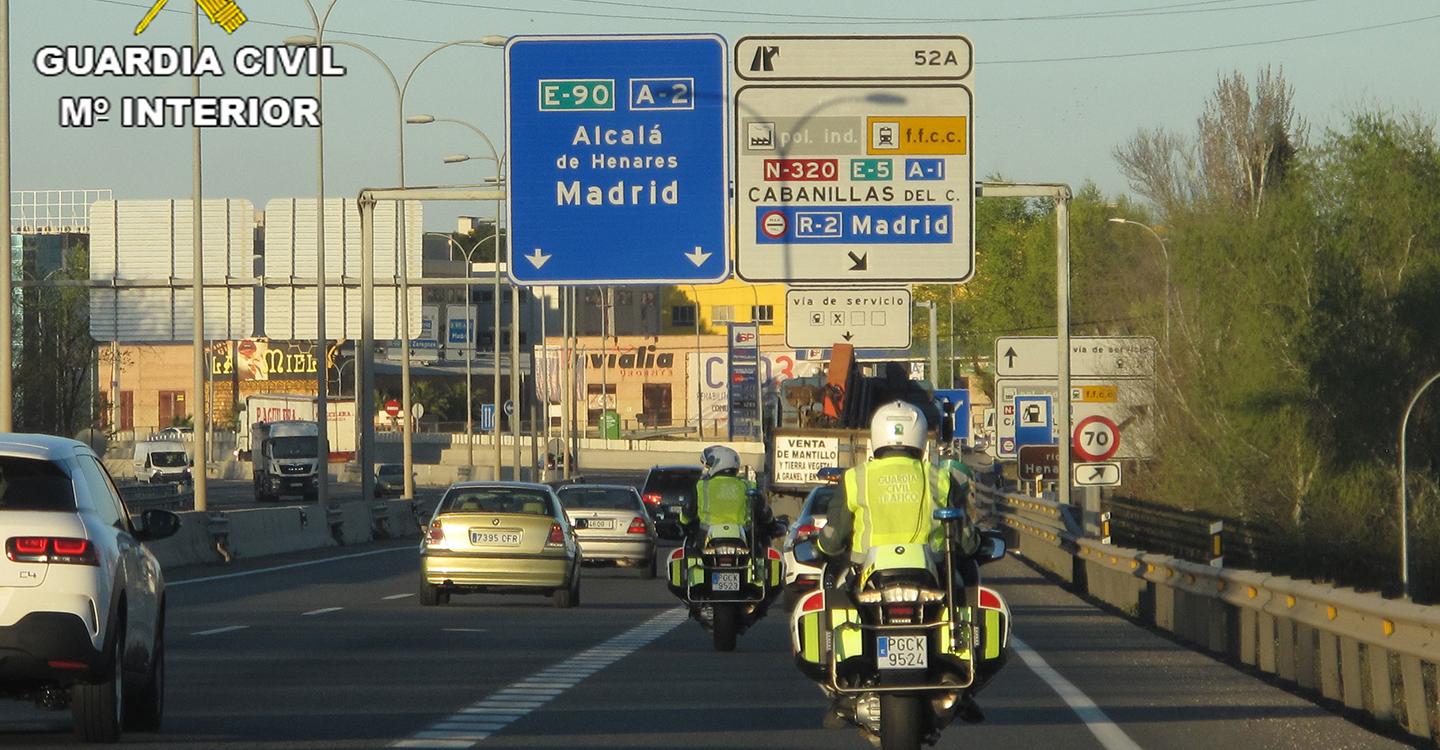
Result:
pixel 497 500
pixel 596 498
pixel 34 484
pixel 820 501
pixel 674 482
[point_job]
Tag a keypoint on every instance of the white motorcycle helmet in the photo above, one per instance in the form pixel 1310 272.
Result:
pixel 897 425
pixel 718 458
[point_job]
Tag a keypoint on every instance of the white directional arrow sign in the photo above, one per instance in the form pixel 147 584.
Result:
pixel 1098 474
pixel 698 257
pixel 537 258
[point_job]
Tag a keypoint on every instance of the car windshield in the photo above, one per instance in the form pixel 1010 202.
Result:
pixel 673 484
pixel 293 447
pixel 598 498
pixel 391 471
pixel 168 459
pixel 34 484
pixel 819 503
pixel 497 500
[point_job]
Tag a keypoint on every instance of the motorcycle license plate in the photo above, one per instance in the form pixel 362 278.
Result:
pixel 725 581
pixel 902 652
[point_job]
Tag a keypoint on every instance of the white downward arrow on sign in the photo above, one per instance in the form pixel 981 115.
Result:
pixel 538 258
pixel 698 257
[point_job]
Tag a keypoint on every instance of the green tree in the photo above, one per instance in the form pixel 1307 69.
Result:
pixel 56 356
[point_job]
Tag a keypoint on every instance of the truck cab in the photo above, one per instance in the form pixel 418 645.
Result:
pixel 287 459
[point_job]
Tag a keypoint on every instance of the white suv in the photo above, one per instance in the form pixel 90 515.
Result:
pixel 82 602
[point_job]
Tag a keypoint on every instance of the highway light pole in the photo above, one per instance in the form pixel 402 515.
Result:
pixel 198 410
pixel 1404 499
pixel 7 294
pixel 934 356
pixel 1165 252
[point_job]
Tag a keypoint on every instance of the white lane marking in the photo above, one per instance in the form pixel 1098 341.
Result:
pixel 1100 725
pixel 321 611
pixel 519 698
pixel 394 596
pixel 453 725
pixel 462 630
pixel 218 631
pixel 170 584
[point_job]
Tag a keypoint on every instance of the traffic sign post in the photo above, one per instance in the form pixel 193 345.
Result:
pixel 865 318
pixel 617 150
pixel 854 159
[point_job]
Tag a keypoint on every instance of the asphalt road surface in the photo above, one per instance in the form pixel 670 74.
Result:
pixel 331 649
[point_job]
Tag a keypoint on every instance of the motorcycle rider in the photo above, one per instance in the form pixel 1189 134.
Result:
pixel 891 499
pixel 721 496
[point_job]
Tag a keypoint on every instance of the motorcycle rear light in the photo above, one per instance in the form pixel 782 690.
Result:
pixel 67 664
pixel 637 526
pixel 725 560
pixel 436 536
pixel 896 611
pixel 557 536
pixel 990 600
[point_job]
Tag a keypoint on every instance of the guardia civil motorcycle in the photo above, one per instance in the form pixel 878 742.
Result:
pixel 724 583
pixel 897 641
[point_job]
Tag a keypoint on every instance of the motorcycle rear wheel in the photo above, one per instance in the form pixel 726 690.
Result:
pixel 726 626
pixel 900 722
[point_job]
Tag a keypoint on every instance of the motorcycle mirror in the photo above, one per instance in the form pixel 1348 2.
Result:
pixel 806 554
pixel 992 548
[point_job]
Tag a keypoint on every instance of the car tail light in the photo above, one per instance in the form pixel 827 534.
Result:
pixel 651 498
pixel 43 549
pixel 989 599
pixel 557 536
pixel 638 526
pixel 436 537
pixel 806 531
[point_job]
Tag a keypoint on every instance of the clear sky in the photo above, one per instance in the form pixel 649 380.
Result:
pixel 1058 83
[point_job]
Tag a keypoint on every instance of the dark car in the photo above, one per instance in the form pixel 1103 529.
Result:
pixel 666 487
pixel 390 480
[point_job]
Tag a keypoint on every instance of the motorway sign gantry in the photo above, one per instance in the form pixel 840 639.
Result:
pixel 854 159
pixel 1090 356
pixel 617 155
pixel 867 318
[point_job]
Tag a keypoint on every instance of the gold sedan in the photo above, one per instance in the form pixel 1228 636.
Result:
pixel 500 537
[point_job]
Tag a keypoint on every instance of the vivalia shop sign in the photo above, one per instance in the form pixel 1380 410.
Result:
pixel 643 360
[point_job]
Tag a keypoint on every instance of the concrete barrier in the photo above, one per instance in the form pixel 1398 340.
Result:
pixel 223 536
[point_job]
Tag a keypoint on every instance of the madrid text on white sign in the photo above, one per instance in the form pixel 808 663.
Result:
pixel 862 173
pixel 864 318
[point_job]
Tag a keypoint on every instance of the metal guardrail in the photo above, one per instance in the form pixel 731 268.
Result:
pixel 1362 651
pixel 142 497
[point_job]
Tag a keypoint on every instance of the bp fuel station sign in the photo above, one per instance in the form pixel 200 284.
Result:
pixel 854 159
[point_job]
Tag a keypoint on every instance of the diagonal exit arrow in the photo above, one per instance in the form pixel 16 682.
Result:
pixel 861 261
pixel 1099 473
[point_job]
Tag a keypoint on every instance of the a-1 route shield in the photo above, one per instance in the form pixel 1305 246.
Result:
pixel 617 150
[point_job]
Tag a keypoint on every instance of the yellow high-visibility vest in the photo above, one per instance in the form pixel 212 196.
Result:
pixel 722 500
pixel 893 501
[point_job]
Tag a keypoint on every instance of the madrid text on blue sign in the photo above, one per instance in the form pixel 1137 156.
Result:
pixel 617 159
pixel 879 225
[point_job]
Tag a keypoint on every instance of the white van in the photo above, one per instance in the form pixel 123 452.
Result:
pixel 158 461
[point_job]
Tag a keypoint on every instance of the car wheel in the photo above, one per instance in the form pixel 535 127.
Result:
pixel 647 571
pixel 430 595
pixel 569 597
pixel 146 709
pixel 97 708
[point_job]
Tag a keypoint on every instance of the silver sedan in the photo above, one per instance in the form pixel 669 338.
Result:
pixel 612 525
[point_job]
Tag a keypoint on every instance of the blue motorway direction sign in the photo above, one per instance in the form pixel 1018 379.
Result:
pixel 617 159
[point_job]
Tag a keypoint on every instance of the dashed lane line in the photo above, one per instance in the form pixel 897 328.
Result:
pixel 395 596
pixel 326 610
pixel 472 724
pixel 258 571
pixel 218 631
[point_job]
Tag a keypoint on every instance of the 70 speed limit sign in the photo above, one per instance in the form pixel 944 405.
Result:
pixel 1096 438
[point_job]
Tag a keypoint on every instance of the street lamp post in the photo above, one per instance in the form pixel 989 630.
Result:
pixel 934 356
pixel 1165 252
pixel 368 271
pixel 1404 498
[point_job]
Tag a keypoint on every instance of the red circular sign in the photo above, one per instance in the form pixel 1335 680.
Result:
pixel 774 225
pixel 1096 438
pixel 392 407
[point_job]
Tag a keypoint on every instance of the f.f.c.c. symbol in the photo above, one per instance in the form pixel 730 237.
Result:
pixel 764 57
